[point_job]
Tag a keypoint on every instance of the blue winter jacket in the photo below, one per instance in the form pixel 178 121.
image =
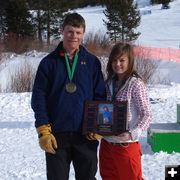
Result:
pixel 50 100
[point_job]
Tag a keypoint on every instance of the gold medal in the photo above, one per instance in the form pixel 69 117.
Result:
pixel 71 87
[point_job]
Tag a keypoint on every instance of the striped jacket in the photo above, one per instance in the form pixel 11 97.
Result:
pixel 139 112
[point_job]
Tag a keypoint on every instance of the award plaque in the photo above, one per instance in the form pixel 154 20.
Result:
pixel 105 118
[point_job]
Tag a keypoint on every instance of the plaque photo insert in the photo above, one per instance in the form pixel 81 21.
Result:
pixel 105 118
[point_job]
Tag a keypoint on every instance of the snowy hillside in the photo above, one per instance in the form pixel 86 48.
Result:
pixel 158 28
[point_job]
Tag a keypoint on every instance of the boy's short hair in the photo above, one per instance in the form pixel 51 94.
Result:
pixel 75 20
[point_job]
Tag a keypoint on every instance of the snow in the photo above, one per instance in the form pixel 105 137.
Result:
pixel 20 156
pixel 22 159
pixel 159 28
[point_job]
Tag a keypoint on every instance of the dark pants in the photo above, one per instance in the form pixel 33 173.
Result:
pixel 73 148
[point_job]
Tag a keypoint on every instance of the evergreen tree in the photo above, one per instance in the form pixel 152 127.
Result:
pixel 48 18
pixel 2 17
pixel 165 4
pixel 123 17
pixel 18 18
pixel 38 19
pixel 2 23
pixel 54 16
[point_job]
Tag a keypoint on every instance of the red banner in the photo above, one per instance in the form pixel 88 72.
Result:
pixel 158 53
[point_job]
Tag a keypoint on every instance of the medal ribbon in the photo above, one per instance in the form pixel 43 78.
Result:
pixel 69 70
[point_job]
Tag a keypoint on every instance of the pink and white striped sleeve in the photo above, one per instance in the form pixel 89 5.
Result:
pixel 142 104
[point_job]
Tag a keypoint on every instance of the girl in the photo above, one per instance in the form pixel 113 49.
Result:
pixel 120 156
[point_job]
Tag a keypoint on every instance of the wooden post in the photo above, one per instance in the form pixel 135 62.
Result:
pixel 178 113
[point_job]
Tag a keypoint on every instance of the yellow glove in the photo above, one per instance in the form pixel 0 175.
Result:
pixel 94 136
pixel 47 141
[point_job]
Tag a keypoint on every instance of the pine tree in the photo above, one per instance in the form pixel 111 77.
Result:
pixel 2 24
pixel 54 16
pixel 165 4
pixel 122 19
pixel 38 20
pixel 48 18
pixel 18 18
pixel 2 18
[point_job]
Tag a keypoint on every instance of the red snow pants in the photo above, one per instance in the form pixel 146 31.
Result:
pixel 120 162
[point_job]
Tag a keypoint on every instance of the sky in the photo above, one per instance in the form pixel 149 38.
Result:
pixel 20 156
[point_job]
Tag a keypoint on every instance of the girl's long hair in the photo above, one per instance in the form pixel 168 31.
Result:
pixel 117 51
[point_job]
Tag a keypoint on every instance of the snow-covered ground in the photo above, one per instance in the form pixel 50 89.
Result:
pixel 20 156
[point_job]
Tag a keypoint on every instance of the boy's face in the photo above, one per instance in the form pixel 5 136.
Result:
pixel 72 37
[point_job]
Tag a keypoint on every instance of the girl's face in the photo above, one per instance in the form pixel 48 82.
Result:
pixel 120 65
